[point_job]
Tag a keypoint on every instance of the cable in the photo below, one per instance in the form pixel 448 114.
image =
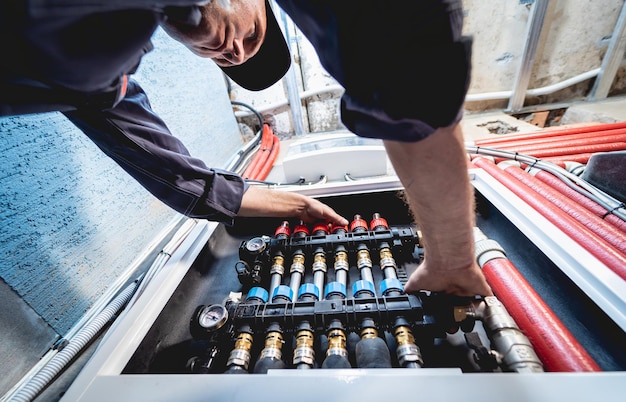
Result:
pixel 242 156
pixel 258 115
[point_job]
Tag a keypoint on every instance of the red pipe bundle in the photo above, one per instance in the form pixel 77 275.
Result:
pixel 590 241
pixel 609 233
pixel 554 344
pixel 569 153
pixel 264 170
pixel 550 133
pixel 573 141
pixel 580 199
pixel 264 159
pixel 575 144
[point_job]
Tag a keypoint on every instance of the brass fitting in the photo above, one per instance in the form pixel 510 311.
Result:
pixel 304 352
pixel 341 261
pixel 319 262
pixel 407 351
pixel 363 259
pixel 273 345
pixel 337 343
pixel 386 259
pixel 297 264
pixel 278 265
pixel 369 333
pixel 240 355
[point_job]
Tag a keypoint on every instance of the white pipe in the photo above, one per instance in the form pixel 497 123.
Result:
pixel 487 96
pixel 282 104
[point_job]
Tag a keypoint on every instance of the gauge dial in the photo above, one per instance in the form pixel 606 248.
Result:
pixel 255 245
pixel 213 317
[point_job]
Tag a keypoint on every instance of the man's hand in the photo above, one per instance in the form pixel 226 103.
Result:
pixel 263 202
pixel 461 282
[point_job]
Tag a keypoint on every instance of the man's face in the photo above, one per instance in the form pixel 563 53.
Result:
pixel 228 36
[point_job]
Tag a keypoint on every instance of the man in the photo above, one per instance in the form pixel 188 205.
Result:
pixel 367 46
pixel 76 58
pixel 405 69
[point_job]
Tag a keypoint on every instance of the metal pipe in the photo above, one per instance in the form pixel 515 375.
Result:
pixel 534 27
pixel 513 347
pixel 292 83
pixel 612 59
pixel 407 351
pixel 371 351
pixel 480 97
pixel 337 352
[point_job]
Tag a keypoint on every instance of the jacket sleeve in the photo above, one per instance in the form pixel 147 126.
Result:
pixel 63 8
pixel 140 142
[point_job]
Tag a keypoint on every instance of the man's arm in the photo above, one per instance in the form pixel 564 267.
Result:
pixel 434 174
pixel 140 142
pixel 62 8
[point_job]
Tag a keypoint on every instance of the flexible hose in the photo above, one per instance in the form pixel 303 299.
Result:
pixel 609 233
pixel 256 113
pixel 78 342
pixel 574 229
pixel 553 342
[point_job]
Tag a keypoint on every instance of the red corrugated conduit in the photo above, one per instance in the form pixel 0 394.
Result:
pixel 264 170
pixel 575 144
pixel 577 231
pixel 595 208
pixel 604 230
pixel 492 142
pixel 587 139
pixel 264 159
pixel 567 153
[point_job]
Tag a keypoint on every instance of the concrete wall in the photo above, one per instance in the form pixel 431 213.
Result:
pixel 72 220
pixel 574 39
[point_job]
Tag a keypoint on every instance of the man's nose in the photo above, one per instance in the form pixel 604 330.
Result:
pixel 236 55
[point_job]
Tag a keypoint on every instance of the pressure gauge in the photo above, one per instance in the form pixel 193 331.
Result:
pixel 211 318
pixel 256 245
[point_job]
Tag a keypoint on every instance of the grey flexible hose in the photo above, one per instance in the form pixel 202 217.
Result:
pixel 36 384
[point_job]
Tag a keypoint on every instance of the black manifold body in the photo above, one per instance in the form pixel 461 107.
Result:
pixel 361 318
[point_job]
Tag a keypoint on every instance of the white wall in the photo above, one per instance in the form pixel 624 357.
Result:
pixel 72 220
pixel 573 41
